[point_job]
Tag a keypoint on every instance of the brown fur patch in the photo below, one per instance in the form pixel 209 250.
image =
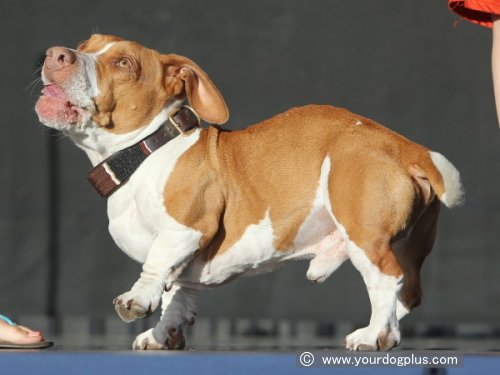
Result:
pixel 193 194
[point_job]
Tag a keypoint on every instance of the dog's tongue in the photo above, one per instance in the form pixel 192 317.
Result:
pixel 54 91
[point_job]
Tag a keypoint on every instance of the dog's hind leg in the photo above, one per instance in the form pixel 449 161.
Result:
pixel 370 206
pixel 178 309
pixel 411 253
pixel 383 278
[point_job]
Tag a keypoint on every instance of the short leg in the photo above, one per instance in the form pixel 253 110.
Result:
pixel 373 205
pixel 383 278
pixel 178 309
pixel 411 253
pixel 170 253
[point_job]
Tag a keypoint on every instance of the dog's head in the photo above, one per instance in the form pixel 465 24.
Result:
pixel 119 86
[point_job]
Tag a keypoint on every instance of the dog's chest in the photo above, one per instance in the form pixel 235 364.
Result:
pixel 136 210
pixel 130 224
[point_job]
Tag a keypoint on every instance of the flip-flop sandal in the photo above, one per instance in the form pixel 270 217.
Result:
pixel 11 345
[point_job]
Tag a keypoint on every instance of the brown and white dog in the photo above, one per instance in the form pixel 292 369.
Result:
pixel 316 182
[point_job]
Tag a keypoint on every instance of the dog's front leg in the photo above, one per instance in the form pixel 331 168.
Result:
pixel 171 251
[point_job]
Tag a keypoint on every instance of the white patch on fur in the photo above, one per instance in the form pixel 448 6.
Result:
pixel 248 255
pixel 102 50
pixel 454 193
pixel 318 223
pixel 91 59
pixel 329 253
pixel 82 87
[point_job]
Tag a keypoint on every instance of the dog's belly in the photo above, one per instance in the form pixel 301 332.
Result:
pixel 254 253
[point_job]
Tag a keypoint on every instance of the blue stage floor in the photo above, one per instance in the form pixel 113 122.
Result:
pixel 251 363
pixel 110 355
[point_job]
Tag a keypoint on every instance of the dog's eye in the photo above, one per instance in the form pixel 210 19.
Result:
pixel 124 63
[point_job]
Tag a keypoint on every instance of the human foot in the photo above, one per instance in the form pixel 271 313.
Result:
pixel 12 335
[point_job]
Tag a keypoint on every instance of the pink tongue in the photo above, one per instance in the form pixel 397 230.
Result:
pixel 54 91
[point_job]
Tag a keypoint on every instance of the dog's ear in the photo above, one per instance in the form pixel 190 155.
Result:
pixel 200 91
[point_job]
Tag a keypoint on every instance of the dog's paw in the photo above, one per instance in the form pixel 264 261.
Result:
pixel 361 339
pixel 388 338
pixel 366 339
pixel 175 338
pixel 134 305
pixel 146 341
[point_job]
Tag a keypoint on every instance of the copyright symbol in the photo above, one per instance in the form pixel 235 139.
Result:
pixel 306 359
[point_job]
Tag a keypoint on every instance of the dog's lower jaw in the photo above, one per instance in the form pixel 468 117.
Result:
pixel 69 128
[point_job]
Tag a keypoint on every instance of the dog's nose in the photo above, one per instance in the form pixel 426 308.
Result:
pixel 59 57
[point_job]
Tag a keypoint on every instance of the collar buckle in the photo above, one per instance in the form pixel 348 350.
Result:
pixel 186 122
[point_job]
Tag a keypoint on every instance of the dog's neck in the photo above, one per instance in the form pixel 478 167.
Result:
pixel 99 144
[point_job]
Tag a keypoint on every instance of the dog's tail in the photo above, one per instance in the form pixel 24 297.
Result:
pixel 443 177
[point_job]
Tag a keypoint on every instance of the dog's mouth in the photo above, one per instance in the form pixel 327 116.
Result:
pixel 55 106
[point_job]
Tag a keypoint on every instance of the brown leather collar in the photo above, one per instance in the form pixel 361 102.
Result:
pixel 109 175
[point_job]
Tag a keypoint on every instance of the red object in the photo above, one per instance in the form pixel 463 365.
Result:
pixel 477 11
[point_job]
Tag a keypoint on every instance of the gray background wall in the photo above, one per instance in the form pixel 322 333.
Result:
pixel 399 62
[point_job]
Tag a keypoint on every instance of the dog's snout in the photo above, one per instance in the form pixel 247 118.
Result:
pixel 59 57
pixel 59 64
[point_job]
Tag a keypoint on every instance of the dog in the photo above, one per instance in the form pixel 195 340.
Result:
pixel 200 206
